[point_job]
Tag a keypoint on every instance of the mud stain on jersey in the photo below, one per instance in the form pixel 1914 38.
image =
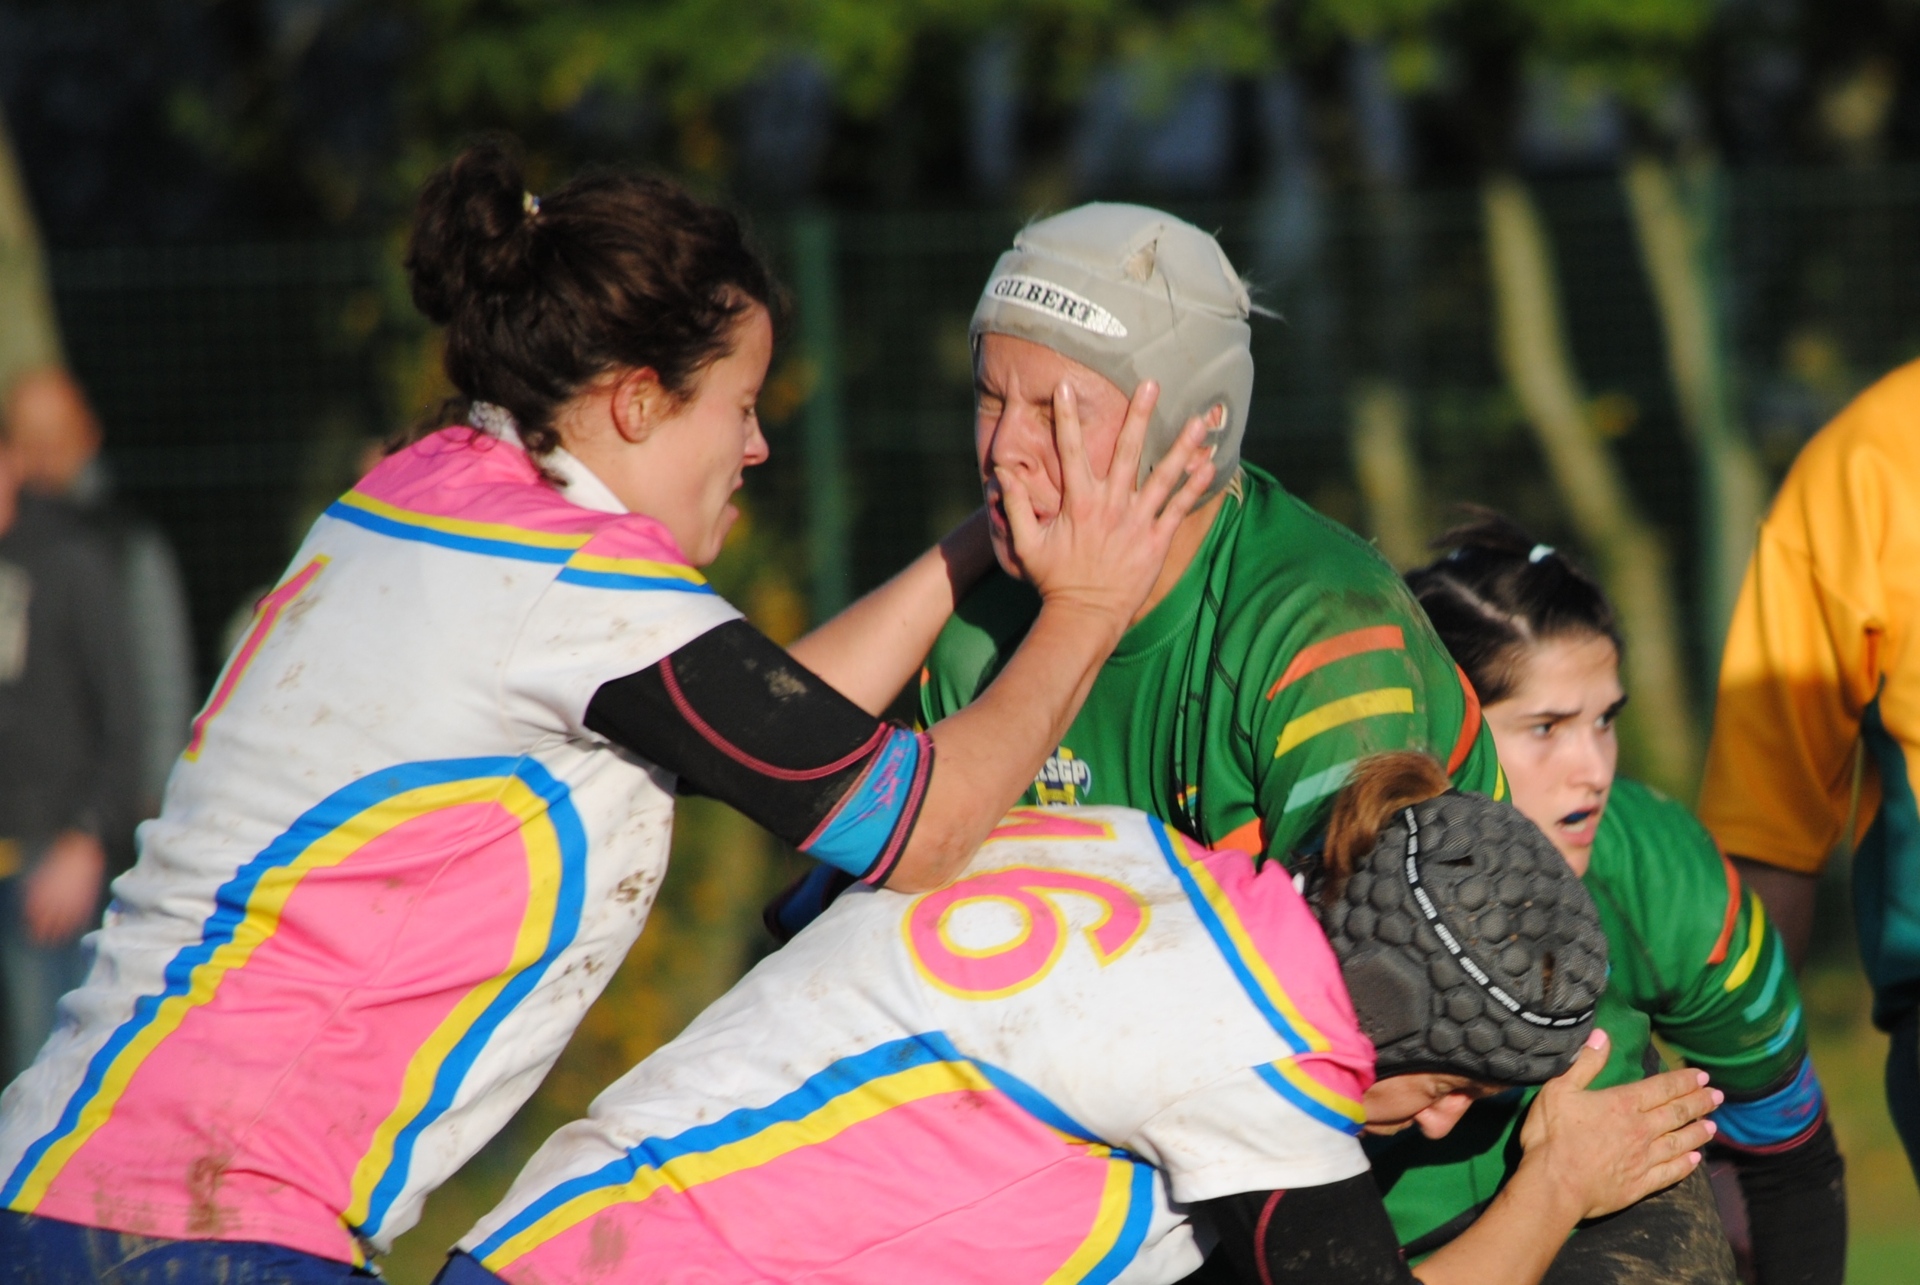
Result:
pixel 606 1246
pixel 204 1176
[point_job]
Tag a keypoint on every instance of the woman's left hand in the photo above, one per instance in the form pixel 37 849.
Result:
pixel 1105 546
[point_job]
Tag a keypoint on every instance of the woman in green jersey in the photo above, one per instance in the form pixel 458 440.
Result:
pixel 1694 957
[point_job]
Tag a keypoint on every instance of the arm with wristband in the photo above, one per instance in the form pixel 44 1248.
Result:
pixel 748 723
pixel 1699 953
pixel 1582 1158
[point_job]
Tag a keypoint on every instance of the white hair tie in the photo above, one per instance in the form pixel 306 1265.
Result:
pixel 1540 551
pixel 530 203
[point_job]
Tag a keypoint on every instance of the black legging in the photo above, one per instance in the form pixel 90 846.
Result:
pixel 1673 1237
pixel 1903 1084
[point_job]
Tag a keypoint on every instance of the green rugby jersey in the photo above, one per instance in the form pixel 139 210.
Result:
pixel 1692 958
pixel 1238 706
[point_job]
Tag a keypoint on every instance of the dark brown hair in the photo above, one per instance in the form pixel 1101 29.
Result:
pixel 1380 786
pixel 539 297
pixel 1498 592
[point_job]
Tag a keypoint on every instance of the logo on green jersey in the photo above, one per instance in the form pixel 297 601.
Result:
pixel 1062 779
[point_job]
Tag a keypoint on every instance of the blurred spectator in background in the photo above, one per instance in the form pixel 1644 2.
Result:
pixel 1816 735
pixel 69 746
pixel 56 437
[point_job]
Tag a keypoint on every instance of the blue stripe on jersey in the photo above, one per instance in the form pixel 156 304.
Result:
pixel 448 539
pixel 1039 1106
pixel 1314 1110
pixel 231 909
pixel 1778 1117
pixel 1223 941
pixel 569 902
pixel 815 1092
pixel 1133 1232
pixel 622 580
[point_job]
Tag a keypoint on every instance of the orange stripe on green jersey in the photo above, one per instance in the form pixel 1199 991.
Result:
pixel 1287 649
pixel 1353 643
pixel 1725 940
pixel 1469 724
pixel 1338 713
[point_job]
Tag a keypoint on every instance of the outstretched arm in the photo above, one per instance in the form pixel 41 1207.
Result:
pixel 738 718
pixel 871 650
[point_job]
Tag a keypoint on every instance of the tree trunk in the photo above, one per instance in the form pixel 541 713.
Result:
pixel 1381 429
pixel 29 327
pixel 1388 471
pixel 1674 245
pixel 1659 732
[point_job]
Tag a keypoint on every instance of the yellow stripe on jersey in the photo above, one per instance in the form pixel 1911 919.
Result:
pixel 869 1100
pixel 1241 942
pixel 1339 1103
pixel 536 932
pixel 1756 938
pixel 462 526
pixel 646 567
pixel 1116 1202
pixel 1338 713
pixel 261 921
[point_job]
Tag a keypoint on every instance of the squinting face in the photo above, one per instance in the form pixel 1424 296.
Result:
pixel 1555 735
pixel 1433 1100
pixel 685 473
pixel 1014 383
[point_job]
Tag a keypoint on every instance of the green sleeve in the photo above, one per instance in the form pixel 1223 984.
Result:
pixel 1697 951
pixel 985 630
pixel 1343 676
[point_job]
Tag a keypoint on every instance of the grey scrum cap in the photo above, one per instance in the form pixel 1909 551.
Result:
pixel 1134 294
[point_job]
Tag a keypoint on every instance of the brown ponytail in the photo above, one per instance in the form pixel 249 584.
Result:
pixel 1380 786
pixel 539 296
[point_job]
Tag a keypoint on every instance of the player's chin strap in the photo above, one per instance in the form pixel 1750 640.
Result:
pixel 1468 964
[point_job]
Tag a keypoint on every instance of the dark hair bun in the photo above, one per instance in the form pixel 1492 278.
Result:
pixel 471 232
pixel 1486 531
pixel 609 269
pixel 1497 592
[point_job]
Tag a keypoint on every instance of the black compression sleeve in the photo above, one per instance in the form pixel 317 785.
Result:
pixel 739 719
pixel 1337 1234
pixel 1797 1210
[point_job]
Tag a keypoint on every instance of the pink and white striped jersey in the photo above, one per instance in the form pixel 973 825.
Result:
pixel 1013 1079
pixel 393 870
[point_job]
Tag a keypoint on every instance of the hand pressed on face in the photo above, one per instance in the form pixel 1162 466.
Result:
pixel 1017 383
pixel 1102 544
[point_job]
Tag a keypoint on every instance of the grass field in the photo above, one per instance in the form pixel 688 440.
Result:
pixel 1883 1206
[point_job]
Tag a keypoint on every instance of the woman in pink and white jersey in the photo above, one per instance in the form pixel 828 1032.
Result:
pixel 425 811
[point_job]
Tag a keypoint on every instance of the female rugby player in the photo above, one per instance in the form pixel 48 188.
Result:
pixel 427 807
pixel 1693 957
pixel 1106 1049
